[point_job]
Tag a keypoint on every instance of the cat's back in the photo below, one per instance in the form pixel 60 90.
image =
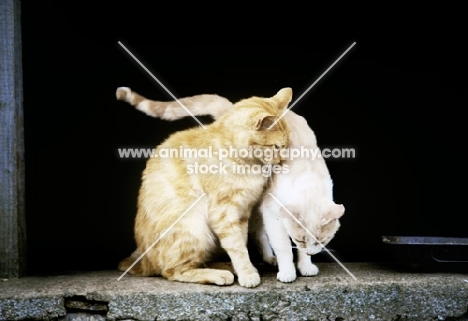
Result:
pixel 301 134
pixel 185 138
pixel 307 172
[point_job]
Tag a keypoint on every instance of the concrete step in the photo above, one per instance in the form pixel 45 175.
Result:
pixel 380 292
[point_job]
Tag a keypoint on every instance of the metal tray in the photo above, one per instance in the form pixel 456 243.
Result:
pixel 429 252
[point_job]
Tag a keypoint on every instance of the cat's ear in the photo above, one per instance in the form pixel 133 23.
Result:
pixel 335 212
pixel 283 97
pixel 264 122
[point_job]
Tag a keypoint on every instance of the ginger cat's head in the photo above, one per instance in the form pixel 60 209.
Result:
pixel 255 124
pixel 321 221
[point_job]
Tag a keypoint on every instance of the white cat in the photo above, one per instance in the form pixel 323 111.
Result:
pixel 306 191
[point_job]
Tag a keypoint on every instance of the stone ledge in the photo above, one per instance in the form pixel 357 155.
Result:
pixel 380 293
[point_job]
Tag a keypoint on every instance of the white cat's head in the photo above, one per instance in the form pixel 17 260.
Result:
pixel 318 226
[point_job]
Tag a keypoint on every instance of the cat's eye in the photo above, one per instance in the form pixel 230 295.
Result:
pixel 299 241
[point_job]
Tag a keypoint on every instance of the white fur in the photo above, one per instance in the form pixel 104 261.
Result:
pixel 144 107
pixel 306 192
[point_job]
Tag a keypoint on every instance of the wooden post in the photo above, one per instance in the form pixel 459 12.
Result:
pixel 12 209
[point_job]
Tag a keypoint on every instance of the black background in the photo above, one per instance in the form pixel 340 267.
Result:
pixel 391 98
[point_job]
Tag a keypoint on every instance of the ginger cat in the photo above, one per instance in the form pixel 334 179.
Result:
pixel 306 191
pixel 220 217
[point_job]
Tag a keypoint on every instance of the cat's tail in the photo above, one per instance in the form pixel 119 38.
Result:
pixel 199 105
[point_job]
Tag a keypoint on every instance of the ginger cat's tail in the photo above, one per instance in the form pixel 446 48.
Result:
pixel 198 105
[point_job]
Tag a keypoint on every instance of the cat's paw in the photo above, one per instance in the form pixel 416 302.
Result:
pixel 286 275
pixel 270 259
pixel 249 280
pixel 308 269
pixel 224 278
pixel 123 93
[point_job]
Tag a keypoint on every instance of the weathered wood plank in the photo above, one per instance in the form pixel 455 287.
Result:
pixel 12 207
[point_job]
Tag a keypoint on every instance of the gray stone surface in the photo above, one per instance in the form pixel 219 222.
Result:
pixel 379 293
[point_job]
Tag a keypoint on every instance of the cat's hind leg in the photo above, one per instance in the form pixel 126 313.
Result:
pixel 222 266
pixel 191 274
pixel 260 238
pixel 187 248
pixel 263 245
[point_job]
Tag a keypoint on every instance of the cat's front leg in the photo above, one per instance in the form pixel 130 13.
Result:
pixel 305 265
pixel 281 244
pixel 246 273
pixel 267 252
pixel 233 238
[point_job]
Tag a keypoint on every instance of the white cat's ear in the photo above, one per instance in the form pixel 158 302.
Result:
pixel 335 212
pixel 283 97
